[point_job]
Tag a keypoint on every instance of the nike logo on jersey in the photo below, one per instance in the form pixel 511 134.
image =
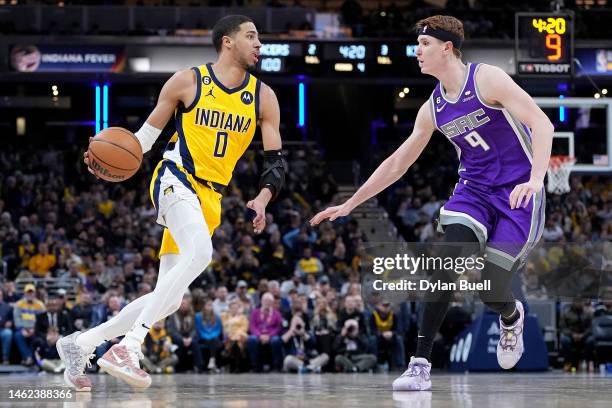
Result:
pixel 439 108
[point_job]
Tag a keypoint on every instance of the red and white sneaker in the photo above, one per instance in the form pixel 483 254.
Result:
pixel 123 362
pixel 75 358
pixel 510 347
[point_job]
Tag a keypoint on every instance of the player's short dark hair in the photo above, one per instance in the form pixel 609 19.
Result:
pixel 227 26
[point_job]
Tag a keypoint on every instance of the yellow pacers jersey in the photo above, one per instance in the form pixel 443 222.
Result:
pixel 215 130
pixel 211 135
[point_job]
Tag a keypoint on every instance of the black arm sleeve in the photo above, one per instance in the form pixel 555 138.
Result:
pixel 273 176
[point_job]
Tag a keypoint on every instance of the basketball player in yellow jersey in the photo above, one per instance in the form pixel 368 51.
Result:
pixel 216 107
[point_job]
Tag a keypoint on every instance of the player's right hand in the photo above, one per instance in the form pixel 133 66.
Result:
pixel 86 161
pixel 332 213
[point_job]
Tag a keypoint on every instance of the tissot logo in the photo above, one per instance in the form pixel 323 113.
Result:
pixel 246 97
pixel 206 80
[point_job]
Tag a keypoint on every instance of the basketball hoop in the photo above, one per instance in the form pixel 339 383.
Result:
pixel 559 170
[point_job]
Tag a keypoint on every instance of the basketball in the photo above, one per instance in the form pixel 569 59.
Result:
pixel 115 154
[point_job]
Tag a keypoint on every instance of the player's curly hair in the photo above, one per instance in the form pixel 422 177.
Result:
pixel 446 23
pixel 227 26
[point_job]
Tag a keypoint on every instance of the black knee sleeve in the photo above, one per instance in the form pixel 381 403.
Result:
pixel 500 298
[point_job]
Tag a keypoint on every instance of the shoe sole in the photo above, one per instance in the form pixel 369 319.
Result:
pixel 427 388
pixel 58 346
pixel 117 372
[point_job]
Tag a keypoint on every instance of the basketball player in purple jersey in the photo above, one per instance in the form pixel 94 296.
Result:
pixel 503 140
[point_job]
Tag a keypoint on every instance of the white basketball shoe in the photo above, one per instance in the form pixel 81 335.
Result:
pixel 416 377
pixel 510 346
pixel 75 359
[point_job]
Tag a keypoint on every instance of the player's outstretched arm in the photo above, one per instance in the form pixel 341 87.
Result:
pixel 389 170
pixel 180 88
pixel 498 88
pixel 273 175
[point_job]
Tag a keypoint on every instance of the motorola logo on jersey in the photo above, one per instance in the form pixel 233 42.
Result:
pixel 206 80
pixel 246 97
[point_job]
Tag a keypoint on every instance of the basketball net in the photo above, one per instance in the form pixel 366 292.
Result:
pixel 559 170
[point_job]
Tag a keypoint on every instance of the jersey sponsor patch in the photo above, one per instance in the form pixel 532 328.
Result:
pixel 246 97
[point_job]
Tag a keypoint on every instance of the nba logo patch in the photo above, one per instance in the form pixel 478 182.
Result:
pixel 246 97
pixel 424 29
pixel 206 80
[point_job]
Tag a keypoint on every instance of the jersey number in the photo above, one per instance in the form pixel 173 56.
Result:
pixel 221 144
pixel 475 140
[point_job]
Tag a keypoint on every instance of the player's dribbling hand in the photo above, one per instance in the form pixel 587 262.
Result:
pixel 259 222
pixel 332 213
pixel 524 191
pixel 86 161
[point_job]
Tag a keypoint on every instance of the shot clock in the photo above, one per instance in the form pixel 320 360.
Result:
pixel 544 44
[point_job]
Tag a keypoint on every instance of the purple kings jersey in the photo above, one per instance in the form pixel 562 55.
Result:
pixel 494 148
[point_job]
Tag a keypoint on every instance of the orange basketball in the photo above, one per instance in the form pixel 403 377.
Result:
pixel 115 154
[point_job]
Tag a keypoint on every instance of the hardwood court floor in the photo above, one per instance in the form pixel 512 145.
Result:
pixel 551 389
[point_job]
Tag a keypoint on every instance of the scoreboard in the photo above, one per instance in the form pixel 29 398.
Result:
pixel 351 58
pixel 544 44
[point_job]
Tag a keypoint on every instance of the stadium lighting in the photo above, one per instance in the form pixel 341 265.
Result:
pixel 105 106
pixel 604 91
pixel 406 90
pixel 302 104
pixel 402 94
pixel 97 104
pixel 597 95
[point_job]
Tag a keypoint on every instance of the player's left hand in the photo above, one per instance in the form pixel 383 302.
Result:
pixel 524 191
pixel 259 222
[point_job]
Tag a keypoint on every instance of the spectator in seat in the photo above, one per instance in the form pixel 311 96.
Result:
pixel 181 327
pixel 6 328
pixel 576 340
pixel 209 335
pixel 265 326
pixel 83 312
pixel 54 316
pixel 220 305
pixel 351 349
pixel 45 352
pixel 158 350
pixel 532 287
pixel 351 312
pixel 390 344
pixel 24 316
pixel 324 325
pixel 300 349
pixel 235 329
pixel 308 264
pixel 73 274
pixel 41 263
